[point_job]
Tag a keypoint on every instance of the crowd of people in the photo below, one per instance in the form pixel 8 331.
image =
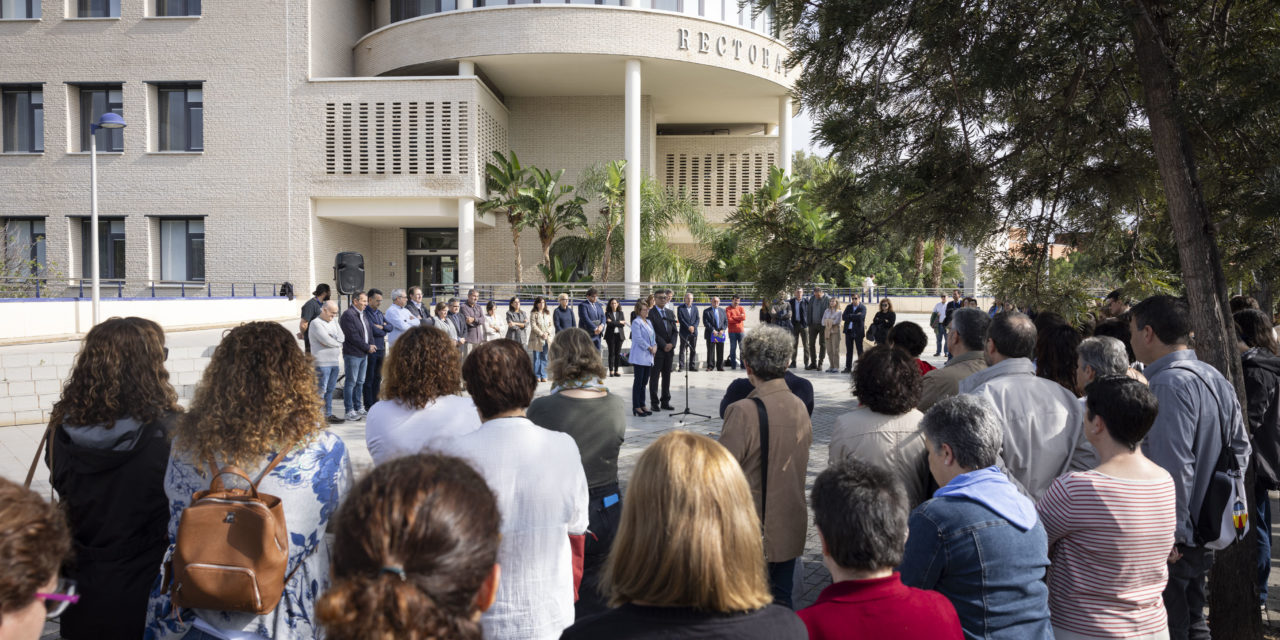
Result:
pixel 1050 480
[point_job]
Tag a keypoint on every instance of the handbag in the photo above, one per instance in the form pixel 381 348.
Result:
pixel 1223 517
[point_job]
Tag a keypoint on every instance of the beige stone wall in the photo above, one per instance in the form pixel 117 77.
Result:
pixel 716 171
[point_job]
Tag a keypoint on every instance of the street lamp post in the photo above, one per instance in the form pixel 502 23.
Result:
pixel 107 121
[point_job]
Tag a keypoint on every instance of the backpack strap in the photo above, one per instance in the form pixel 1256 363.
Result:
pixel 764 455
pixel 1226 454
pixel 216 482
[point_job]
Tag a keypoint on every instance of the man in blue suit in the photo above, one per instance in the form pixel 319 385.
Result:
pixel 854 319
pixel 715 331
pixel 799 307
pixel 687 314
pixel 591 317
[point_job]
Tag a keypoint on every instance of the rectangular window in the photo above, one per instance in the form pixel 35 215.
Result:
pixel 181 117
pixel 110 249
pixel 19 9
pixel 22 109
pixel 95 101
pixel 177 7
pixel 182 249
pixel 24 246
pixel 97 8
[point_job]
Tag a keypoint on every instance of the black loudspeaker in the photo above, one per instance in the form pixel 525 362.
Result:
pixel 348 272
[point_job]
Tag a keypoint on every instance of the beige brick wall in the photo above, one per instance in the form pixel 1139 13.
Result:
pixel 716 170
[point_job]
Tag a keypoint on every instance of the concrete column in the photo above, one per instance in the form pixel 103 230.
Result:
pixel 463 5
pixel 630 3
pixel 466 68
pixel 631 152
pixel 466 241
pixel 784 134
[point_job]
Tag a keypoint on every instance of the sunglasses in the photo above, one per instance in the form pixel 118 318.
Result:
pixel 57 602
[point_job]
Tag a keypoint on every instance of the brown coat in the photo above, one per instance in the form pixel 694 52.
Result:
pixel 945 382
pixel 790 434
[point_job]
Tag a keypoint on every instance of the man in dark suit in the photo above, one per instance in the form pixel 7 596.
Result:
pixel 855 327
pixel 687 313
pixel 377 322
pixel 664 334
pixel 357 344
pixel 591 317
pixel 799 323
pixel 715 331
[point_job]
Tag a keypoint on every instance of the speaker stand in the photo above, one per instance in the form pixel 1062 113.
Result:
pixel 686 411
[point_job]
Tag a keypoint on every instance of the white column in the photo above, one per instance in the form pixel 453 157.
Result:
pixel 466 68
pixel 630 3
pixel 631 152
pixel 784 134
pixel 463 5
pixel 466 241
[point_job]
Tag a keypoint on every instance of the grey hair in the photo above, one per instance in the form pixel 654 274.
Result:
pixel 396 294
pixel 767 350
pixel 971 325
pixel 969 425
pixel 1105 354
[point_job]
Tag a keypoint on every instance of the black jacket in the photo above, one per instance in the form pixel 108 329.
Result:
pixel 664 327
pixel 1262 393
pixel 855 319
pixel 353 323
pixel 111 484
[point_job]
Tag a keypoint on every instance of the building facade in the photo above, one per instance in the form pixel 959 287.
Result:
pixel 265 137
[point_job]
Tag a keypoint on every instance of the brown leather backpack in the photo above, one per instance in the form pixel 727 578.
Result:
pixel 232 548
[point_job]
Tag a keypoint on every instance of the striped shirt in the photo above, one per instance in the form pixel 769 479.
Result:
pixel 1109 541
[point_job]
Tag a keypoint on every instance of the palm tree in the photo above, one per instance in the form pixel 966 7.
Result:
pixel 610 186
pixel 549 211
pixel 504 178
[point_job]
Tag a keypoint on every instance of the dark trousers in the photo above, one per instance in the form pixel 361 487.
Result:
pixel 1184 597
pixel 660 374
pixel 851 342
pixel 373 378
pixel 715 355
pixel 637 385
pixel 814 347
pixel 614 342
pixel 782 578
pixel 798 343
pixel 940 332
pixel 1262 524
pixel 688 343
pixel 600 533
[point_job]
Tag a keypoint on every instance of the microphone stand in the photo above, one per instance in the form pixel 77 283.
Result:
pixel 686 411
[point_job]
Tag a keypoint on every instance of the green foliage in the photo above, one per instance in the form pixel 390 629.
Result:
pixel 551 207
pixel 504 178
pixel 557 271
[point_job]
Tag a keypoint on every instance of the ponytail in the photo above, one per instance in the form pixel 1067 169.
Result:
pixel 385 607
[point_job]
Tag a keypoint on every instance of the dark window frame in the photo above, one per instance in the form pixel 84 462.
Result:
pixel 166 92
pixel 107 239
pixel 189 8
pixel 25 120
pixel 33 12
pixel 38 240
pixel 97 8
pixel 190 238
pixel 115 137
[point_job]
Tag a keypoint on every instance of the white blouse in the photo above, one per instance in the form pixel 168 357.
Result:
pixel 394 429
pixel 495 327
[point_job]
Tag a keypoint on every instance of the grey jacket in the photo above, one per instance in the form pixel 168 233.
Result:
pixel 945 382
pixel 1186 437
pixel 817 307
pixel 1043 424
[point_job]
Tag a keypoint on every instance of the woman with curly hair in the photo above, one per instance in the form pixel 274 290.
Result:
pixel 422 384
pixel 108 449
pixel 255 403
pixel 33 544
pixel 581 406
pixel 884 430
pixel 415 553
pixel 1057 347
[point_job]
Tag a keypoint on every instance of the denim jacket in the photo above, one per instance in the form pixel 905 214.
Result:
pixel 991 570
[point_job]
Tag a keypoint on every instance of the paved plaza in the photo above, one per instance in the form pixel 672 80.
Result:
pixel 832 397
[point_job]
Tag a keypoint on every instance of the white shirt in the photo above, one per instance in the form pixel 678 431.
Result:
pixel 941 310
pixel 495 326
pixel 394 429
pixel 537 477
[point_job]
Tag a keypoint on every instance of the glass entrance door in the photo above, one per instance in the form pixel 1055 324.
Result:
pixel 432 258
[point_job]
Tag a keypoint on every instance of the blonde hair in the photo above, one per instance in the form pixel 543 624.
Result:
pixel 640 304
pixel 573 356
pixel 689 535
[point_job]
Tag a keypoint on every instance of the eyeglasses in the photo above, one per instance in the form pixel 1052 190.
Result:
pixel 57 602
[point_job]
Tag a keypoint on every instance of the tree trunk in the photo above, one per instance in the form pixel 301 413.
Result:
pixel 917 261
pixel 515 239
pixel 604 270
pixel 939 252
pixel 1234 596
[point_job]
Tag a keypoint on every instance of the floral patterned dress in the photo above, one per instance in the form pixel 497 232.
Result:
pixel 311 482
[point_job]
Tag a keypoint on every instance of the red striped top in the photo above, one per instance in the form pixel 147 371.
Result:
pixel 1109 543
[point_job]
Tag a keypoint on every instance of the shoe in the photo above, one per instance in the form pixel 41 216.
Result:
pixel 640 413
pixel 937 355
pixel 666 406
pixel 654 408
pixel 352 416
pixel 810 367
pixel 334 419
pixel 362 412
pixel 719 368
pixel 833 370
pixel 846 370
